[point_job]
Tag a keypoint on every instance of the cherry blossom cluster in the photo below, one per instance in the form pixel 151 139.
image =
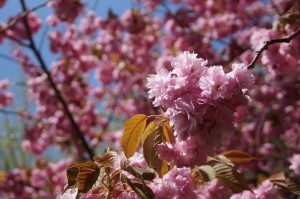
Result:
pixel 75 7
pixel 200 102
pixel 179 183
pixel 6 97
pixel 17 31
pixel 101 67
pixel 46 180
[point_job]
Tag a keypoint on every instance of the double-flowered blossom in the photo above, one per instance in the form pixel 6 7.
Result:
pixel 214 189
pixel 200 102
pixel 295 163
pixel 177 184
pixel 265 190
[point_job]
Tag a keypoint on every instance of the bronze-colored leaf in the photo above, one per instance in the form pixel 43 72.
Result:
pixel 282 181
pixel 150 149
pixel 150 152
pixel 279 179
pixel 132 134
pixel 88 175
pixel 72 173
pixel 109 159
pixel 294 188
pixel 168 133
pixel 165 168
pixel 149 130
pixel 237 157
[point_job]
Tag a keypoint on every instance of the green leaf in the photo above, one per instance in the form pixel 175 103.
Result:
pixel 126 167
pixel 148 175
pixel 140 189
pixel 208 172
pixel 133 131
pixel 143 174
pixel 231 177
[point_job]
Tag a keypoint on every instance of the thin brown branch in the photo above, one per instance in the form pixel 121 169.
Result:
pixel 269 43
pixel 20 42
pixel 21 114
pixel 78 132
pixel 9 112
pixel 8 58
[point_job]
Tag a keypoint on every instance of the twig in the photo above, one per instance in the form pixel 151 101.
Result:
pixel 41 43
pixel 20 114
pixel 8 58
pixel 20 42
pixel 269 43
pixel 37 54
pixel 9 112
pixel 175 17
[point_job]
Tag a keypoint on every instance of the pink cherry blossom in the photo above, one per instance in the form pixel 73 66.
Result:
pixel 295 163
pixel 6 97
pixel 66 15
pixel 178 183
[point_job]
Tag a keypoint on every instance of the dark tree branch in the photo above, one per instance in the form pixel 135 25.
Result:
pixel 78 132
pixel 269 43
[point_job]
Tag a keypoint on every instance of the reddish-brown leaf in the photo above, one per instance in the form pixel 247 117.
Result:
pixel 150 128
pixel 237 157
pixel 107 160
pixel 168 133
pixel 88 175
pixel 72 173
pixel 150 150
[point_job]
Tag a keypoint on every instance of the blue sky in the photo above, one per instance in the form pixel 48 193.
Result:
pixel 12 71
